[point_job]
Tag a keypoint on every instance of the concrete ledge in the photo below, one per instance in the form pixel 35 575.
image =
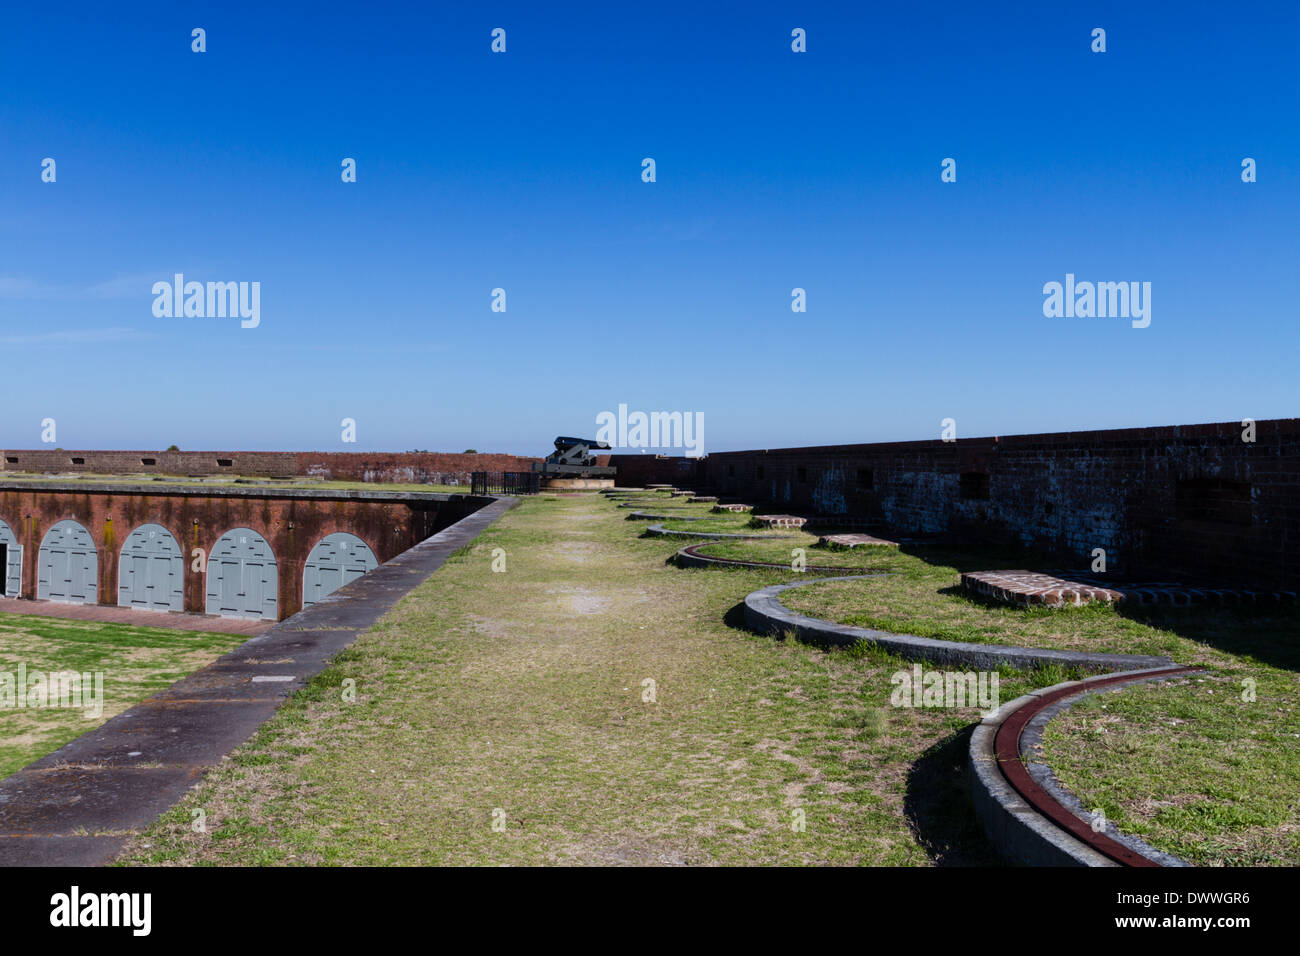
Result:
pixel 75 805
pixel 648 516
pixel 1030 828
pixel 765 614
pixel 658 530
pixel 688 557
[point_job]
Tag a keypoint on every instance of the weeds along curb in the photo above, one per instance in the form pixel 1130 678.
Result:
pixel 1030 818
pixel 765 614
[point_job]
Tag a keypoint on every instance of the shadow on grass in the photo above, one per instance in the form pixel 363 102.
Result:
pixel 938 808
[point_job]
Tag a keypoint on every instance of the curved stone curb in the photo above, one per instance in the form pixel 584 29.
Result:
pixel 688 557
pixel 765 614
pixel 660 530
pixel 1029 817
pixel 648 516
pixel 643 504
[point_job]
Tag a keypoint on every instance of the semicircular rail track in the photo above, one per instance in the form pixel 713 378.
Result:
pixel 1025 818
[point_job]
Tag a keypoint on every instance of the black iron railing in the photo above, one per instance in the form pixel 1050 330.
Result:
pixel 504 482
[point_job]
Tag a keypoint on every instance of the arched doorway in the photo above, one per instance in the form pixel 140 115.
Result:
pixel 69 565
pixel 11 562
pixel 150 573
pixel 337 559
pixel 242 579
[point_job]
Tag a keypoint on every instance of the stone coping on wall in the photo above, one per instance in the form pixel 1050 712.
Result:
pixel 765 614
pixel 231 491
pixel 1061 588
pixel 1030 818
pixel 79 805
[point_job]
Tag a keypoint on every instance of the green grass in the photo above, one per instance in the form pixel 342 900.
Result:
pixel 724 523
pixel 781 552
pixel 135 661
pixel 523 691
pixel 1194 769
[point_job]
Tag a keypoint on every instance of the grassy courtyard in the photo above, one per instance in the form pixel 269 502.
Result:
pixel 519 697
pixel 596 704
pixel 135 662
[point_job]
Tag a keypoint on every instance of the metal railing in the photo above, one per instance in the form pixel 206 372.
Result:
pixel 504 482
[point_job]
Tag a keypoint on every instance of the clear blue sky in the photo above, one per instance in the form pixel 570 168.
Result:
pixel 523 171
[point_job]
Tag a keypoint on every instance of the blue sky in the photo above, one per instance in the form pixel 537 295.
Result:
pixel 522 170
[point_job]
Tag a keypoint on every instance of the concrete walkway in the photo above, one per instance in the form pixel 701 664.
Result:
pixel 124 615
pixel 79 805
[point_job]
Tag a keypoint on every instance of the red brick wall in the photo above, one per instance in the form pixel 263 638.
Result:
pixel 431 467
pixel 49 461
pixel 435 468
pixel 1192 502
pixel 292 526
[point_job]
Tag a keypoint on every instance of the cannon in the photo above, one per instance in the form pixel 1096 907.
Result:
pixel 572 466
pixel 573 458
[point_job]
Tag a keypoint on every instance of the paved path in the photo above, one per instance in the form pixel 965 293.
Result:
pixel 123 615
pixel 80 804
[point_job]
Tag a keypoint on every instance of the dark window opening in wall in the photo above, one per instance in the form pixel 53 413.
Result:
pixel 975 485
pixel 148 461
pixel 11 459
pixel 78 461
pixel 802 474
pixel 731 471
pixel 1214 501
pixel 866 480
pixel 1049 508
pixel 225 462
pixel 760 471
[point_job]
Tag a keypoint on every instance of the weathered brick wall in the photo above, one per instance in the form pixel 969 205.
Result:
pixel 291 525
pixel 436 468
pixel 1191 502
pixel 49 461
pixel 432 467
pixel 635 471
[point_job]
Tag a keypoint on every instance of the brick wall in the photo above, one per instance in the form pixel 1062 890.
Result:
pixel 1191 502
pixel 292 525
pixel 636 471
pixel 436 468
pixel 433 467
pixel 48 461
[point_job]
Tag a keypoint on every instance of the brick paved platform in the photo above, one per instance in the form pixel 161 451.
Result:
pixel 855 541
pixel 1061 588
pixel 777 521
pixel 731 507
pixel 122 615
